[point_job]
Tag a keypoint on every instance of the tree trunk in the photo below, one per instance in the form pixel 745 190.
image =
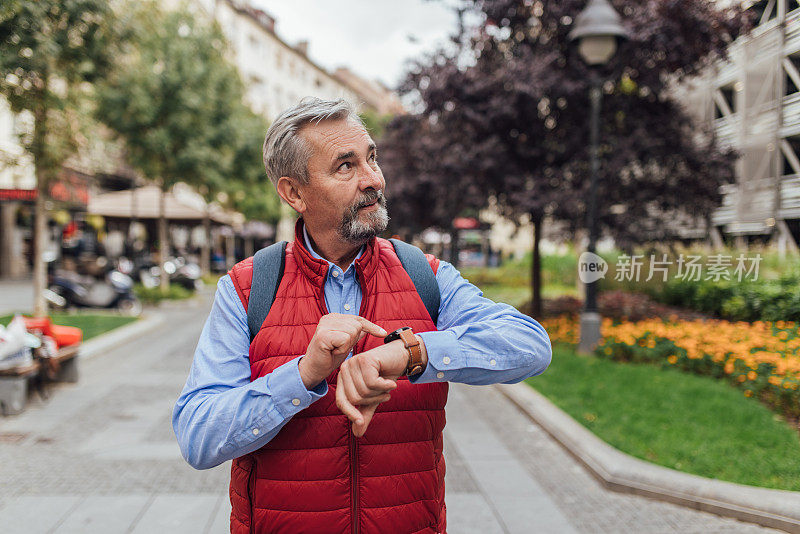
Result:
pixel 163 245
pixel 205 250
pixel 8 261
pixel 536 268
pixel 40 212
pixel 230 243
pixel 454 247
pixel 39 236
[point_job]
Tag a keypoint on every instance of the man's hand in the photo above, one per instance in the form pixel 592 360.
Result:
pixel 367 379
pixel 335 337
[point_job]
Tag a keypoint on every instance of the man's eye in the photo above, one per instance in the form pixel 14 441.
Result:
pixel 373 157
pixel 346 166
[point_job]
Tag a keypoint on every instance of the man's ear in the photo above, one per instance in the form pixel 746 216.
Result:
pixel 289 191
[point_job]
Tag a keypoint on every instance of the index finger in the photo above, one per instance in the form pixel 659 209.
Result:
pixel 371 328
pixel 345 406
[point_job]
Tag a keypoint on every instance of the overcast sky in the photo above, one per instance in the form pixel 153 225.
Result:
pixel 374 38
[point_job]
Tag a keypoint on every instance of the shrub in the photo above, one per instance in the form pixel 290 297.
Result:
pixel 748 300
pixel 760 358
pixel 154 295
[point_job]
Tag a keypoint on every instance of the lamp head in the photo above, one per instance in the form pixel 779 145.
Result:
pixel 597 29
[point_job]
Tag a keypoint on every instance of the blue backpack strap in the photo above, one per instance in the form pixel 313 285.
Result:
pixel 268 264
pixel 416 265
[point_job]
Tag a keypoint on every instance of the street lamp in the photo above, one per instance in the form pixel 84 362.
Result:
pixel 597 30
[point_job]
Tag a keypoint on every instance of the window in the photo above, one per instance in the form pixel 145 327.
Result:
pixel 729 96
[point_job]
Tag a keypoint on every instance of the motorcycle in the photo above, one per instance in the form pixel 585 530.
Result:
pixel 114 290
pixel 179 271
pixel 184 273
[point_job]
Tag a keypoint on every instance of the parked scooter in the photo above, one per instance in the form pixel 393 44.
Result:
pixel 70 289
pixel 180 271
pixel 184 273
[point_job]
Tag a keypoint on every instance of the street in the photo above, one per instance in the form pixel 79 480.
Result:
pixel 100 456
pixel 16 296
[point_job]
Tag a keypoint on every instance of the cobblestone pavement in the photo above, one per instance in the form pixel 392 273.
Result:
pixel 100 456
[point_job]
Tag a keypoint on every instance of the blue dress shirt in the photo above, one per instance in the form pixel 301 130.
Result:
pixel 221 414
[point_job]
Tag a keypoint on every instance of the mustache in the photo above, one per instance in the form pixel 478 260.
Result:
pixel 369 198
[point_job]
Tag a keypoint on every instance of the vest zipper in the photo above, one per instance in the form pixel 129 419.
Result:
pixel 251 482
pixel 354 482
pixel 322 306
pixel 353 439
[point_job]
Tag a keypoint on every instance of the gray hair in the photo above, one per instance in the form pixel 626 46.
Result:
pixel 285 152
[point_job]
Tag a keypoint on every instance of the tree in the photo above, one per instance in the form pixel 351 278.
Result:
pixel 523 92
pixel 252 193
pixel 48 49
pixel 247 189
pixel 428 184
pixel 375 122
pixel 175 100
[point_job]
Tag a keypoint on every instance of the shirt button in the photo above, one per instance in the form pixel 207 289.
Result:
pixel 492 362
pixel 296 402
pixel 440 375
pixel 255 431
pixel 335 273
pixel 346 306
pixel 446 360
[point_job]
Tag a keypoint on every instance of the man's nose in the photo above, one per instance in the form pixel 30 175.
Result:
pixel 370 179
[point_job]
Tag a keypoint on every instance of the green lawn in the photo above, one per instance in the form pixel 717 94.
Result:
pixel 92 325
pixel 691 423
pixel 511 282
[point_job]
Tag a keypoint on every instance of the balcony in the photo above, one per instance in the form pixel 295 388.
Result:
pixel 727 71
pixel 726 213
pixel 746 206
pixel 726 130
pixel 790 197
pixel 790 115
pixel 792 39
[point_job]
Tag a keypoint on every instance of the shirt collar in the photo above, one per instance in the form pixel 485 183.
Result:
pixel 313 252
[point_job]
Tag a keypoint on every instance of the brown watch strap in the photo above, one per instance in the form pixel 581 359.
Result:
pixel 414 366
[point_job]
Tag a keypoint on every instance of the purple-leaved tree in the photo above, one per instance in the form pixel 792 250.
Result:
pixel 505 116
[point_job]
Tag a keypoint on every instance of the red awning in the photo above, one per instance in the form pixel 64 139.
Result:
pixel 18 194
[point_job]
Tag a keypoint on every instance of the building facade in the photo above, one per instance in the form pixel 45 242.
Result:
pixel 277 75
pixel 752 103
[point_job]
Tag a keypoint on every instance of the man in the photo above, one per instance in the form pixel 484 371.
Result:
pixel 325 430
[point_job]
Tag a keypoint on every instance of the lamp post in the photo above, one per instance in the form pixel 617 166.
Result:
pixel 597 29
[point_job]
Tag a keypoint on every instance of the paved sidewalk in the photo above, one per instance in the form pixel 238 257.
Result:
pixel 99 456
pixel 16 296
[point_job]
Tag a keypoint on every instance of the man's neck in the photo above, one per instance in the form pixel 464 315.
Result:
pixel 331 247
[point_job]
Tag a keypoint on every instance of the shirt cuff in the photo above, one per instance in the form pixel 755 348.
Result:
pixel 288 391
pixel 443 357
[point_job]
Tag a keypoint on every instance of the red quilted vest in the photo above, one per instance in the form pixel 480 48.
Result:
pixel 315 476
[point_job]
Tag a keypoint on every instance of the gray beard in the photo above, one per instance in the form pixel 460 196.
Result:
pixel 357 231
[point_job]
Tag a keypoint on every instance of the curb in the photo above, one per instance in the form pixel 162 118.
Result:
pixel 621 472
pixel 118 336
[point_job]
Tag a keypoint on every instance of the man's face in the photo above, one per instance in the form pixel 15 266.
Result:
pixel 345 189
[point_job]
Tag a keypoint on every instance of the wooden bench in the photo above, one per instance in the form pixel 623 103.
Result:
pixel 15 382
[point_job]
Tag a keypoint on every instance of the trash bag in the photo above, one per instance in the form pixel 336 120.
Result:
pixel 16 344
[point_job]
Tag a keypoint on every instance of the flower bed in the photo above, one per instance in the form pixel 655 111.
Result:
pixel 762 358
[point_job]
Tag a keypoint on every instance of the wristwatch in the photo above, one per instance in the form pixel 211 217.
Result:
pixel 406 335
